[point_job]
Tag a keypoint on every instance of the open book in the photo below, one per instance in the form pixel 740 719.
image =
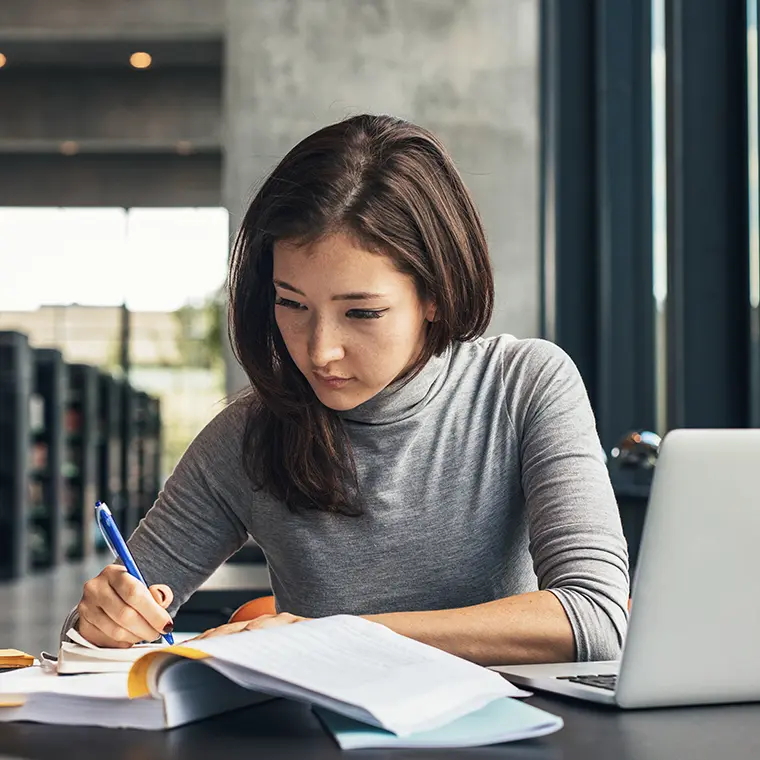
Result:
pixel 344 664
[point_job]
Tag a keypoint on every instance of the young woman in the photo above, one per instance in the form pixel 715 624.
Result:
pixel 389 461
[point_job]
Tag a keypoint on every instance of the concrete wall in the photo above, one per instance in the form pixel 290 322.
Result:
pixel 466 69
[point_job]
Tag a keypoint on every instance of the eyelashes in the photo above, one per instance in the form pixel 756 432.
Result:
pixel 288 304
pixel 351 314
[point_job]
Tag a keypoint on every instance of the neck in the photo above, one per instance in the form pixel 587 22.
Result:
pixel 403 397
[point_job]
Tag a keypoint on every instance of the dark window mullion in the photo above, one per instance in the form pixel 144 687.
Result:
pixel 626 390
pixel 707 309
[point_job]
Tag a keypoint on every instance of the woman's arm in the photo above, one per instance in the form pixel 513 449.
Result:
pixel 192 528
pixel 576 541
pixel 520 629
pixel 527 628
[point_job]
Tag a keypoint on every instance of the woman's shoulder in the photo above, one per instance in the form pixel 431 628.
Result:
pixel 221 439
pixel 515 357
pixel 529 371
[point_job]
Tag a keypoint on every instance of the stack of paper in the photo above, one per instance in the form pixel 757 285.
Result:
pixel 383 689
pixel 102 699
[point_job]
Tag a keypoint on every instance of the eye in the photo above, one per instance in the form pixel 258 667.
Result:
pixel 366 314
pixel 287 303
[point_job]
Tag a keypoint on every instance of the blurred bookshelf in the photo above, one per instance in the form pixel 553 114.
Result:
pixel 71 434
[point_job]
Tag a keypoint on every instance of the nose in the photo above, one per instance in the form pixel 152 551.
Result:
pixel 325 344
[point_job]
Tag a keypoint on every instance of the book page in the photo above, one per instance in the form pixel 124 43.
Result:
pixel 80 642
pixel 31 680
pixel 406 685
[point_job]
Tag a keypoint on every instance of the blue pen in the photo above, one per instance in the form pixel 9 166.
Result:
pixel 119 547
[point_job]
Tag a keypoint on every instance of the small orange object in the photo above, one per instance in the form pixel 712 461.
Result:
pixel 13 658
pixel 263 605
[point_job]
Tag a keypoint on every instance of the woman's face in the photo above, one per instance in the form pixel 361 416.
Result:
pixel 351 321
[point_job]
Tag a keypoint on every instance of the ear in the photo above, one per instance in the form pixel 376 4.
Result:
pixel 431 315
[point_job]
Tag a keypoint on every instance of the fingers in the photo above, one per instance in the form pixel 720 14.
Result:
pixel 99 629
pixel 263 621
pixel 117 610
pixel 126 617
pixel 272 621
pixel 143 614
pixel 223 629
pixel 162 594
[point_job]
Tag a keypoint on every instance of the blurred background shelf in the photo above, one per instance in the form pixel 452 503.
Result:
pixel 71 434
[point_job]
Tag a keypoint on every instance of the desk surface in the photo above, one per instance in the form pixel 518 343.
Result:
pixel 281 729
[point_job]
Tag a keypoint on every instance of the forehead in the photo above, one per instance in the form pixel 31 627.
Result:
pixel 331 258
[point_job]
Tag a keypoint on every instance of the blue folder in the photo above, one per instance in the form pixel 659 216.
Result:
pixel 503 720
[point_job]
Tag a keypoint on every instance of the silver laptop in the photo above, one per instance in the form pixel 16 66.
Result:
pixel 694 631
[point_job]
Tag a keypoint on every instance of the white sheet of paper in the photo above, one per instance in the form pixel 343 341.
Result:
pixel 408 686
pixel 107 653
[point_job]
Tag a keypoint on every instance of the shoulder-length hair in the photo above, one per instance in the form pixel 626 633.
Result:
pixel 393 187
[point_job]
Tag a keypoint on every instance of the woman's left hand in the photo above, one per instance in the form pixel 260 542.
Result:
pixel 263 621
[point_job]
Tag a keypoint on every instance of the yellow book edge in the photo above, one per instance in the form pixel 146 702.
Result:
pixel 137 681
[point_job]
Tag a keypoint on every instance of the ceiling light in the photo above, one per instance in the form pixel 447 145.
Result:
pixel 140 60
pixel 3 60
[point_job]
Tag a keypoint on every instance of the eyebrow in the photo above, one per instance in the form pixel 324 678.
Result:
pixel 359 296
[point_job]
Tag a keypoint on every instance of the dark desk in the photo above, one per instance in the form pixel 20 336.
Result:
pixel 282 729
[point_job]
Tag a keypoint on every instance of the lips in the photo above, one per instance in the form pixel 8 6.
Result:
pixel 332 381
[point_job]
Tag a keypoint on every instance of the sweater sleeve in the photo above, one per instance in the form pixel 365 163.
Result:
pixel 576 539
pixel 194 526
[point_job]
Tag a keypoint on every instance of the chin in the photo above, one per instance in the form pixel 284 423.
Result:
pixel 336 406
pixel 341 402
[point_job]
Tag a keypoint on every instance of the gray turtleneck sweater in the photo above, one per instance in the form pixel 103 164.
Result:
pixel 483 477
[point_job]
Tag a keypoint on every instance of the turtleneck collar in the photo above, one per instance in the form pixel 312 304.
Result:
pixel 402 399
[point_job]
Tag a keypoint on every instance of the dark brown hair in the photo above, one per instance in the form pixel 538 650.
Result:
pixel 393 187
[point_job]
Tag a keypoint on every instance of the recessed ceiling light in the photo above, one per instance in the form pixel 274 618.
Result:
pixel 140 60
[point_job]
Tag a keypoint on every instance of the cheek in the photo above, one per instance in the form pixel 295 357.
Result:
pixel 388 346
pixel 293 333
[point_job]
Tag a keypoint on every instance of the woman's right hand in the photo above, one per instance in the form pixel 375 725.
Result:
pixel 116 610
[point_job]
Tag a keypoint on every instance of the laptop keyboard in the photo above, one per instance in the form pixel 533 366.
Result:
pixel 600 682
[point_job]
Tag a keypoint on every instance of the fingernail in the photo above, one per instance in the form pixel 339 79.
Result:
pixel 169 627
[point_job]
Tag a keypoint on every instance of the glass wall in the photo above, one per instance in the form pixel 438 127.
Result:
pixel 71 275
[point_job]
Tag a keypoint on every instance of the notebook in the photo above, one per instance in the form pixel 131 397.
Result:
pixel 503 720
pixel 342 663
